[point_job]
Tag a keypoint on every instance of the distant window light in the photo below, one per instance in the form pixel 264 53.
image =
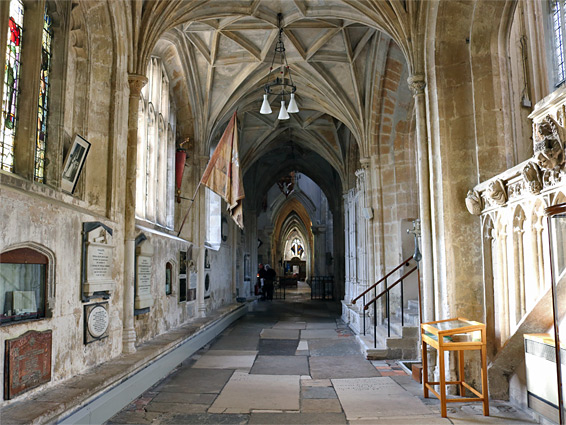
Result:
pixel 168 278
pixel 213 219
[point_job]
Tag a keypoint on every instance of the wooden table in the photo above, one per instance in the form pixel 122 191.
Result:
pixel 454 335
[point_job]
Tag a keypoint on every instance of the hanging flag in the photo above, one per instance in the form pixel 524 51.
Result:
pixel 222 174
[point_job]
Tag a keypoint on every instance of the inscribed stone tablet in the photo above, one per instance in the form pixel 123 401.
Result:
pixel 28 362
pixel 96 322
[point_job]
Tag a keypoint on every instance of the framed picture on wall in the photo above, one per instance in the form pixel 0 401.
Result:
pixel 74 164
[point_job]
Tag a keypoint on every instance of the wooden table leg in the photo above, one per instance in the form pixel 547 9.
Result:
pixel 484 389
pixel 442 379
pixel 425 370
pixel 461 377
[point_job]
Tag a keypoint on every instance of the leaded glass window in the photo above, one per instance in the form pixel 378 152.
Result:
pixel 42 107
pixel 11 85
pixel 558 41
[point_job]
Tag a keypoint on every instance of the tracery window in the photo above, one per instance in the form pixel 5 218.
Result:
pixel 11 85
pixel 156 130
pixel 42 108
pixel 297 248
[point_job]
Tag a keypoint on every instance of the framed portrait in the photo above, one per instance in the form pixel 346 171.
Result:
pixel 74 164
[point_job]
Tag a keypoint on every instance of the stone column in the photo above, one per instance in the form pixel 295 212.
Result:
pixel 417 85
pixel 367 204
pixel 136 83
pixel 347 278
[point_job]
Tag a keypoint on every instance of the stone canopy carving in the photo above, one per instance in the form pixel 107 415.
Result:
pixel 548 144
pixel 532 177
pixel 474 202
pixel 496 192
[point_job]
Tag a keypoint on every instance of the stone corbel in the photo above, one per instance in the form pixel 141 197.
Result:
pixel 496 192
pixel 532 177
pixel 474 202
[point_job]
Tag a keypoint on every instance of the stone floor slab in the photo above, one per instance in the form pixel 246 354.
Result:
pixel 140 418
pixel 206 419
pixel 290 325
pixel 297 418
pixel 318 392
pixel 174 408
pixel 244 393
pixel 333 347
pixel 214 361
pixel 201 381
pixel 317 383
pixel 178 397
pixel 367 398
pixel 277 347
pixel 321 325
pixel 319 333
pixel 280 334
pixel 281 365
pixel 330 405
pixel 324 367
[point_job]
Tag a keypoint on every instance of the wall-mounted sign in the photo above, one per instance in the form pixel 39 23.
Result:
pixel 27 362
pixel 97 261
pixel 74 164
pixel 96 322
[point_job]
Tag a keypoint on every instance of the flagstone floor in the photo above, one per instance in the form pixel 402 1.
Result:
pixel 294 361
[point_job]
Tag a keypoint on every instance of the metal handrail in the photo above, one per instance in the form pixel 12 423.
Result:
pixel 390 287
pixel 382 279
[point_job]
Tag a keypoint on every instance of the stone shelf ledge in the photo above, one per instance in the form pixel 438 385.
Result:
pixel 66 397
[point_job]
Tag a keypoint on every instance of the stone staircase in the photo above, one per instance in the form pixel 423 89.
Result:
pixel 404 340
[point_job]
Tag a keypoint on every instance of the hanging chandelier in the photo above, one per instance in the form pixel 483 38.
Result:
pixel 282 85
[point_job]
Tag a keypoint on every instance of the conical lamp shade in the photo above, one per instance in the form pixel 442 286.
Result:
pixel 265 108
pixel 293 108
pixel 283 115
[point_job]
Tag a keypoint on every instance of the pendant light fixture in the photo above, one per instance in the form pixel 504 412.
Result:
pixel 282 85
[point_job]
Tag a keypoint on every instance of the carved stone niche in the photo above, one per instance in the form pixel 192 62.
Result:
pixel 496 192
pixel 532 177
pixel 474 202
pixel 548 144
pixel 97 261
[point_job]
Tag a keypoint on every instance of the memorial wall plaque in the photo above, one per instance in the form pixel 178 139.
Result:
pixel 98 261
pixel 144 273
pixel 192 286
pixel 27 362
pixel 96 321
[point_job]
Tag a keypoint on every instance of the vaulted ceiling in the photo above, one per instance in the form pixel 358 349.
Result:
pixel 337 66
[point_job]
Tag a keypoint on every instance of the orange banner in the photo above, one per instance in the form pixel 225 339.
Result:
pixel 222 174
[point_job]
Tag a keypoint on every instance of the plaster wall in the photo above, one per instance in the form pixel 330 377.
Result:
pixel 57 225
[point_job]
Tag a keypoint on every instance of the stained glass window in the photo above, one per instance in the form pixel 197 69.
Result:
pixel 11 85
pixel 557 24
pixel 42 108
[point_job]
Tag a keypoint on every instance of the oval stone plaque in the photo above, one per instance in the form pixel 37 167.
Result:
pixel 98 321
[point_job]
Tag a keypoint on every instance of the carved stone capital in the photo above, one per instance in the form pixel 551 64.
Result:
pixel 474 202
pixel 136 82
pixel 416 84
pixel 496 192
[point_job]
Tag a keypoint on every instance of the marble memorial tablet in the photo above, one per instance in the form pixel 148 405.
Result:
pixel 98 260
pixel 27 362
pixel 144 269
pixel 96 322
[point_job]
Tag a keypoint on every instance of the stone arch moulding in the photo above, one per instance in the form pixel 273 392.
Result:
pixel 50 283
